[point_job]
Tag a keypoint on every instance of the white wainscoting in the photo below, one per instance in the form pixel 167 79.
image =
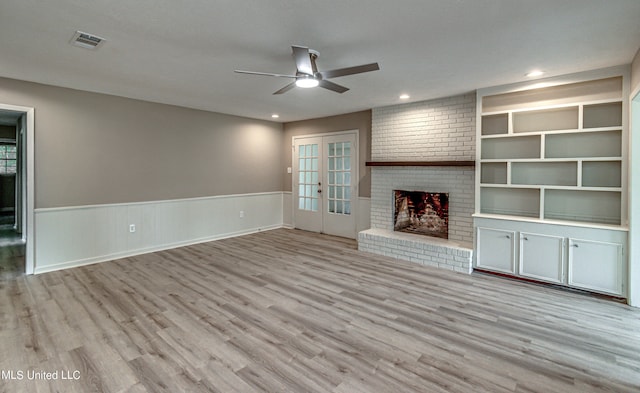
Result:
pixel 74 236
pixel 287 209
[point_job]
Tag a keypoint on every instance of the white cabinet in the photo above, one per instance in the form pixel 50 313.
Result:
pixel 542 257
pixel 551 173
pixel 496 250
pixel 580 257
pixel 596 266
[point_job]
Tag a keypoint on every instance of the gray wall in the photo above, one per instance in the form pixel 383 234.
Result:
pixel 94 149
pixel 352 121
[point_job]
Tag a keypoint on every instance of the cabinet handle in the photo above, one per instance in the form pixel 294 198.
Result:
pixel 508 237
pixel 525 238
pixel 574 245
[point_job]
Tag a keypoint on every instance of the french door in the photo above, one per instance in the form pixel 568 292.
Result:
pixel 325 183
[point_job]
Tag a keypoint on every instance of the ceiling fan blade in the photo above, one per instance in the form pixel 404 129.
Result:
pixel 332 86
pixel 264 73
pixel 303 60
pixel 349 70
pixel 286 88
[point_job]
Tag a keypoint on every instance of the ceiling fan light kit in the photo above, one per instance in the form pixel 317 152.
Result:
pixel 307 74
pixel 306 81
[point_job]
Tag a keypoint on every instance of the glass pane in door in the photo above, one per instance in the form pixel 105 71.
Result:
pixel 308 177
pixel 339 199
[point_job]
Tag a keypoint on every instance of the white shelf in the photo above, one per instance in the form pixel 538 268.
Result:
pixel 495 124
pixel 599 206
pixel 513 201
pixel 583 159
pixel 537 187
pixel 558 223
pixel 602 115
pixel 584 145
pixel 548 132
pixel 602 173
pixel 563 118
pixel 511 148
pixel 554 153
pixel 545 173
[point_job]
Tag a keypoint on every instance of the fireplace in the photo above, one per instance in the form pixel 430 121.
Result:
pixel 424 146
pixel 422 213
pixel 455 184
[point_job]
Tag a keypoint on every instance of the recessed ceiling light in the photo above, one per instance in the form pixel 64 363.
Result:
pixel 405 96
pixel 275 115
pixel 534 73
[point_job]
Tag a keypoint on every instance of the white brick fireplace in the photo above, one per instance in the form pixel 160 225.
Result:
pixel 437 130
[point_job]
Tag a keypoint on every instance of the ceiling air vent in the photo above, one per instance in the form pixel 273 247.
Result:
pixel 86 40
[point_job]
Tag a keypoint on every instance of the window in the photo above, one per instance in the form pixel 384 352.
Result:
pixel 340 178
pixel 7 159
pixel 308 182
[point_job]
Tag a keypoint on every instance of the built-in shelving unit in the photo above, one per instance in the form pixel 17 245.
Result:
pixel 552 171
pixel 557 162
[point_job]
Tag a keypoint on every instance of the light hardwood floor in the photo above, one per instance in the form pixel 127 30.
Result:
pixel 288 310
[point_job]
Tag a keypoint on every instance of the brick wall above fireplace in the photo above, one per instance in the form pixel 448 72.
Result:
pixel 435 130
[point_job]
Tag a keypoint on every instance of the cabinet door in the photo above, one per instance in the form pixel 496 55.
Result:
pixel 542 257
pixel 496 250
pixel 596 266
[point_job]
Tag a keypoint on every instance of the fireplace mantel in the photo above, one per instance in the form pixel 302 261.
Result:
pixel 421 163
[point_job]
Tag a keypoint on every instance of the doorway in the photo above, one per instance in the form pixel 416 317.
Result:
pixel 325 183
pixel 16 190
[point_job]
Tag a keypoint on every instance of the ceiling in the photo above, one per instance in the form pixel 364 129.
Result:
pixel 184 52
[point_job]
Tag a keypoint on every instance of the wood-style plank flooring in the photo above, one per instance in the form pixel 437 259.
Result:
pixel 292 311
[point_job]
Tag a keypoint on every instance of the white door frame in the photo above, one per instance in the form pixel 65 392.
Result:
pixel 633 288
pixel 29 197
pixel 355 169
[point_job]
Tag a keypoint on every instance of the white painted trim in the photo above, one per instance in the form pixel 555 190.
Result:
pixel 62 208
pixel 30 195
pixel 633 254
pixel 499 217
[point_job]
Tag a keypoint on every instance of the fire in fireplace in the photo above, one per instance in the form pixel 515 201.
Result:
pixel 423 213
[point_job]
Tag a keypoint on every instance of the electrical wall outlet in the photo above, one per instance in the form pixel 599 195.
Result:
pixel 132 228
pixel 241 213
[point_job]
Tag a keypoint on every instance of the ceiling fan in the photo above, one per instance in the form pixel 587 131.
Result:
pixel 307 74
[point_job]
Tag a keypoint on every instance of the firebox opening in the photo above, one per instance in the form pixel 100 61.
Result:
pixel 422 213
